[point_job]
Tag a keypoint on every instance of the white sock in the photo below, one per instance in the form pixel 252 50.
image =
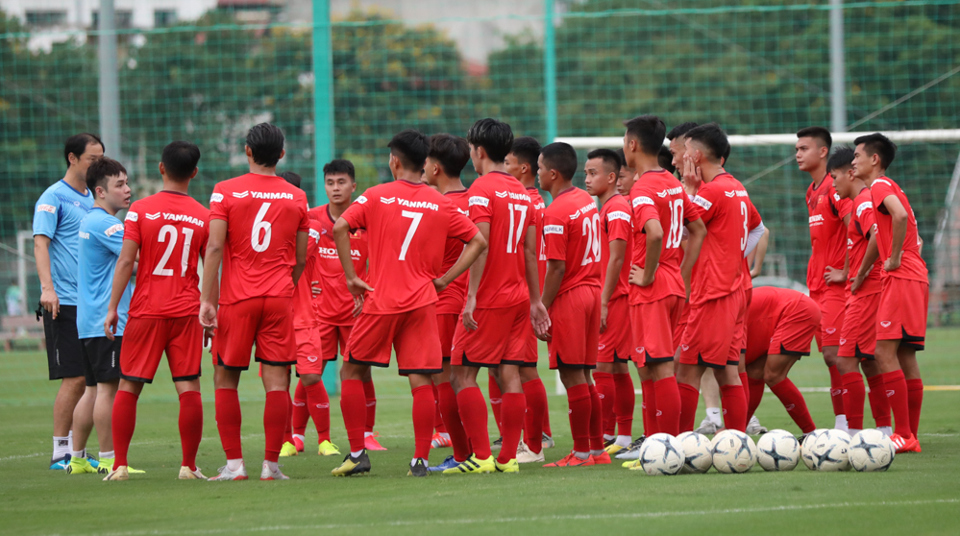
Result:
pixel 355 454
pixel 235 465
pixel 70 440
pixel 414 462
pixel 852 431
pixel 596 452
pixel 368 434
pixel 444 435
pixel 298 436
pixel 581 455
pixel 79 454
pixel 108 455
pixel 623 441
pixel 607 437
pixel 841 422
pixel 61 447
pixel 714 416
pixel 887 430
pixel 272 466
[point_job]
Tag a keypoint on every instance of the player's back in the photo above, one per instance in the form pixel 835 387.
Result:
pixel 763 315
pixel 500 200
pixel 451 300
pixel 334 305
pixel 263 215
pixel 912 265
pixel 171 229
pixel 571 228
pixel 615 222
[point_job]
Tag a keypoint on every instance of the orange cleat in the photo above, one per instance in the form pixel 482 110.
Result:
pixel 439 441
pixel 602 459
pixel 297 442
pixel 370 442
pixel 571 460
pixel 909 444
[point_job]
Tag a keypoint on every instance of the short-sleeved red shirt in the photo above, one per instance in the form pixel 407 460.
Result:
pixel 828 236
pixel 451 300
pixel 171 229
pixel 753 220
pixel 616 223
pixel 407 228
pixel 863 222
pixel 763 316
pixel 304 315
pixel 334 305
pixel 571 230
pixel 911 264
pixel 538 207
pixel 264 213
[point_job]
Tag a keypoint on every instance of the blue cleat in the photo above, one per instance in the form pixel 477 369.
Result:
pixel 61 464
pixel 448 463
pixel 95 463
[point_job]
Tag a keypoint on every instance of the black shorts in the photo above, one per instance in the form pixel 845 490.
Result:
pixel 64 352
pixel 101 359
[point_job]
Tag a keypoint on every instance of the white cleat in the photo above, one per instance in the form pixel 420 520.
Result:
pixel 707 427
pixel 267 474
pixel 754 427
pixel 525 455
pixel 119 473
pixel 188 474
pixel 224 474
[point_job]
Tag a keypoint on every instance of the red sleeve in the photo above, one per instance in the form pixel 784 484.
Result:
pixel 866 217
pixel 618 225
pixel 844 206
pixel 131 224
pixel 691 210
pixel 644 209
pixel 218 204
pixel 480 205
pixel 706 198
pixel 356 214
pixel 555 238
pixel 880 190
pixel 304 215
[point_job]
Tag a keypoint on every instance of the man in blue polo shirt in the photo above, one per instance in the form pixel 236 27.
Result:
pixel 56 224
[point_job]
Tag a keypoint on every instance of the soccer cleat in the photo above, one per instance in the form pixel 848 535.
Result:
pixel 224 474
pixel 60 464
pixel 548 442
pixel 79 466
pixel 353 466
pixel 419 468
pixel 326 448
pixel 512 466
pixel 496 445
pixel 754 427
pixel 269 474
pixel 370 442
pixel 439 441
pixel 190 474
pixel 601 459
pixel 473 465
pixel 448 463
pixel 525 455
pixel 608 442
pixel 95 463
pixel 288 449
pixel 633 451
pixel 105 466
pixel 298 442
pixel 909 444
pixel 571 460
pixel 614 448
pixel 120 473
pixel 707 427
pixel 632 464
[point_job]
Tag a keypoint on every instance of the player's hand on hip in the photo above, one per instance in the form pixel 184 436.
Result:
pixel 208 315
pixel 439 285
pixel 855 283
pixel 357 306
pixel 50 301
pixel 358 287
pixel 892 263
pixel 834 276
pixel 315 288
pixel 468 308
pixel 110 324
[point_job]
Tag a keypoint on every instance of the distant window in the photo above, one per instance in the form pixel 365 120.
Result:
pixel 46 18
pixel 164 17
pixel 124 19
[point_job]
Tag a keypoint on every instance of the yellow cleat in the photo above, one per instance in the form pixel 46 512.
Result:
pixel 106 466
pixel 288 449
pixel 120 473
pixel 473 465
pixel 632 465
pixel 613 449
pixel 79 466
pixel 353 466
pixel 511 466
pixel 326 448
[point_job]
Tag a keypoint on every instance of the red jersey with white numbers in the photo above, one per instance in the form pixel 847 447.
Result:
pixel 753 220
pixel 499 199
pixel 304 315
pixel 571 229
pixel 828 235
pixel 334 305
pixel 171 229
pixel 264 213
pixel 616 224
pixel 451 300
pixel 538 207
pixel 407 228
pixel 862 224
pixel 911 264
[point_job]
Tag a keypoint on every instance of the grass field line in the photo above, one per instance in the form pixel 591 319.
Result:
pixel 532 519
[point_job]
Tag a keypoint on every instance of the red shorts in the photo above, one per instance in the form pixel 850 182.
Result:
pixel 332 337
pixel 709 338
pixel 146 339
pixel 858 338
pixel 501 337
pixel 309 351
pixel 794 332
pixel 832 302
pixel 902 314
pixel 532 349
pixel 413 334
pixel 266 321
pixel 575 329
pixel 447 326
pixel 616 342
pixel 655 329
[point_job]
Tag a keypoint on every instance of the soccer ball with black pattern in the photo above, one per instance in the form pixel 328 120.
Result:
pixel 696 453
pixel 661 454
pixel 871 450
pixel 811 438
pixel 828 452
pixel 733 452
pixel 778 450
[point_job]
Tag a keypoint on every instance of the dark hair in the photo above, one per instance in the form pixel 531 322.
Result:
pixel 411 147
pixel 452 152
pixel 293 178
pixel 713 138
pixel 649 130
pixel 841 158
pixel 623 158
pixel 877 143
pixel 527 151
pixel 680 130
pixel 665 160
pixel 77 145
pixel 560 157
pixel 180 159
pixel 608 156
pixel 266 143
pixel 340 165
pixel 494 136
pixel 819 133
pixel 102 168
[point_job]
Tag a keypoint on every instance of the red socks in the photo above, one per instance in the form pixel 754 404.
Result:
pixel 755 388
pixel 734 407
pixel 794 403
pixel 689 397
pixel 228 419
pixel 546 416
pixel 318 405
pixel 496 399
pixel 124 420
pixel 836 391
pixel 370 398
pixel 668 405
pixel 649 407
pixel 191 427
pixel 300 412
pixel 288 428
pixel 596 419
pixel 896 387
pixel 274 420
pixel 424 410
pixel 854 394
pixel 608 397
pixel 450 412
pixel 536 396
pixel 354 408
pixel 879 406
pixel 473 415
pixel 513 410
pixel 437 417
pixel 745 382
pixel 915 401
pixel 625 399
pixel 579 402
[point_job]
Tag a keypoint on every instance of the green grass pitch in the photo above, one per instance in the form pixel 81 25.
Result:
pixel 919 495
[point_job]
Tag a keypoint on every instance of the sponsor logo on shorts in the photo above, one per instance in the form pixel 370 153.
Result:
pixel 478 200
pixel 47 208
pixel 890 392
pixel 831 331
pixel 885 323
pixel 843 341
pixel 312 358
pixel 216 198
pixel 685 347
pixel 601 346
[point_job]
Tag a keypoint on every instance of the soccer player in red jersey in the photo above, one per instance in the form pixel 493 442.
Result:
pixel 829 218
pixel 782 325
pixel 902 314
pixel 612 377
pixel 571 294
pixel 407 224
pixel 501 301
pixel 661 210
pixel 258 231
pixel 168 231
pixel 858 337
pixel 717 300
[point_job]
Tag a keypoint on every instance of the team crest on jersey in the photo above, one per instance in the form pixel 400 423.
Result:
pixel 132 216
pixel 501 195
pixel 216 198
pixel 362 199
pixel 241 195
pixel 153 216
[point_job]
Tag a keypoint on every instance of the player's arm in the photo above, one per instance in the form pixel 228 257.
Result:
pixel 48 294
pixel 869 258
pixel 538 313
pixel 302 239
pixel 654 233
pixel 473 249
pixel 755 258
pixel 697 232
pixel 341 236
pixel 476 273
pixel 898 231
pixel 210 288
pixel 121 278
pixel 551 281
pixel 618 250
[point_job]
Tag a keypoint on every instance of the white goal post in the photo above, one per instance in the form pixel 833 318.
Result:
pixel 753 140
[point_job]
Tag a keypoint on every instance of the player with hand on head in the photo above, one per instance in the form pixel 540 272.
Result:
pixel 167 231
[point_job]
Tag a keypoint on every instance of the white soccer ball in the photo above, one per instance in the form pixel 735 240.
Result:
pixel 661 454
pixel 871 450
pixel 778 450
pixel 733 452
pixel 807 444
pixel 696 452
pixel 828 452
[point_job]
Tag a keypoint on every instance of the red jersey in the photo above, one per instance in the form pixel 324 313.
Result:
pixel 451 300
pixel 538 207
pixel 911 264
pixel 863 222
pixel 171 229
pixel 500 200
pixel 304 315
pixel 616 224
pixel 659 195
pixel 764 314
pixel 753 220
pixel 725 209
pixel 334 305
pixel 827 232
pixel 407 227
pixel 571 229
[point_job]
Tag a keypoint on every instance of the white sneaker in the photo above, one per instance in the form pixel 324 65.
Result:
pixel 267 474
pixel 548 442
pixel 188 474
pixel 754 427
pixel 525 455
pixel 224 474
pixel 119 473
pixel 632 452
pixel 707 427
